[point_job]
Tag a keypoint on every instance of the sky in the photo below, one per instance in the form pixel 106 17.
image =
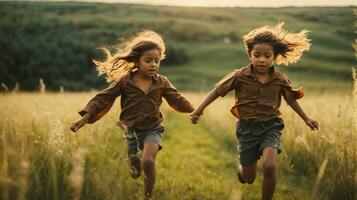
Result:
pixel 235 3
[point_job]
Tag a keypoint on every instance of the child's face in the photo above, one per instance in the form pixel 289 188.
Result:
pixel 262 57
pixel 149 63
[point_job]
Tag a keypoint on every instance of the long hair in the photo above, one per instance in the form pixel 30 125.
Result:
pixel 288 47
pixel 127 52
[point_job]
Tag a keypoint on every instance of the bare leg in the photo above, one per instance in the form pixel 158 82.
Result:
pixel 248 172
pixel 269 181
pixel 148 165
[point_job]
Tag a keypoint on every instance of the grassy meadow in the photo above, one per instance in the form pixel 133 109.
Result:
pixel 41 159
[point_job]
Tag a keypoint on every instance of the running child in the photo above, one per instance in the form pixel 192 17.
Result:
pixel 132 71
pixel 258 88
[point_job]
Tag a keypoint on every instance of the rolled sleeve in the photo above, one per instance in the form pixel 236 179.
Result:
pixel 291 94
pixel 227 84
pixel 175 99
pixel 99 105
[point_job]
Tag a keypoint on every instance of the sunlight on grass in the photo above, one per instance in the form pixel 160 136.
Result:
pixel 41 159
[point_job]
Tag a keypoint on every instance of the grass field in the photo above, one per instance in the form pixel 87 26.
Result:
pixel 41 159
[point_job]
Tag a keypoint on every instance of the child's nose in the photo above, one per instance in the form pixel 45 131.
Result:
pixel 261 59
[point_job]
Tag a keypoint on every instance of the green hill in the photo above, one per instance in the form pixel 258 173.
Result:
pixel 56 42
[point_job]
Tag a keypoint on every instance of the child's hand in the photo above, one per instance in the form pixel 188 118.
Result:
pixel 312 124
pixel 195 116
pixel 77 125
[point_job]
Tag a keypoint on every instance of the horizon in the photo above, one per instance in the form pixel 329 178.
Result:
pixel 223 3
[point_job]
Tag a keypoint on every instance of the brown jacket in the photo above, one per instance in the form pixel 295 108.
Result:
pixel 138 110
pixel 256 101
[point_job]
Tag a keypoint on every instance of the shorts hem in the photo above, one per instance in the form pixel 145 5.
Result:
pixel 272 146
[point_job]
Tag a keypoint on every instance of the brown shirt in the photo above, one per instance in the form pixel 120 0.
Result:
pixel 256 101
pixel 138 110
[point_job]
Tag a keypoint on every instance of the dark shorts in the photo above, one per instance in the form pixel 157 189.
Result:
pixel 253 137
pixel 136 140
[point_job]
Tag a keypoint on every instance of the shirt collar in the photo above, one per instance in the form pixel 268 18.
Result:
pixel 155 77
pixel 248 71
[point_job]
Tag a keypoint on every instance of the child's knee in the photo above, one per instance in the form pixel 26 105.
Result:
pixel 250 179
pixel 249 176
pixel 268 168
pixel 148 163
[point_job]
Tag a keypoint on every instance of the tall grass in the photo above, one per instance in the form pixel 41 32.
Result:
pixel 41 159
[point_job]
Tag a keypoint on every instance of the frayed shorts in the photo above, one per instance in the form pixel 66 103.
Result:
pixel 253 137
pixel 136 140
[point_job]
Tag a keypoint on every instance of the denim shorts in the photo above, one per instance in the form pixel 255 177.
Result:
pixel 136 140
pixel 253 137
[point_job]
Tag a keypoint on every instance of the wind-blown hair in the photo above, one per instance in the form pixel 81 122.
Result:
pixel 288 47
pixel 127 52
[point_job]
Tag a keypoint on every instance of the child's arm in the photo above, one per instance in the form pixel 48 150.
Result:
pixel 78 124
pixel 228 83
pixel 175 99
pixel 310 122
pixel 98 106
pixel 290 95
pixel 195 115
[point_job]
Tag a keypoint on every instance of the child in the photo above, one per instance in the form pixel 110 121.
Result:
pixel 133 70
pixel 258 89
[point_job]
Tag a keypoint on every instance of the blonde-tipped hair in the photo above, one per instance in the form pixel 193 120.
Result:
pixel 127 52
pixel 288 47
